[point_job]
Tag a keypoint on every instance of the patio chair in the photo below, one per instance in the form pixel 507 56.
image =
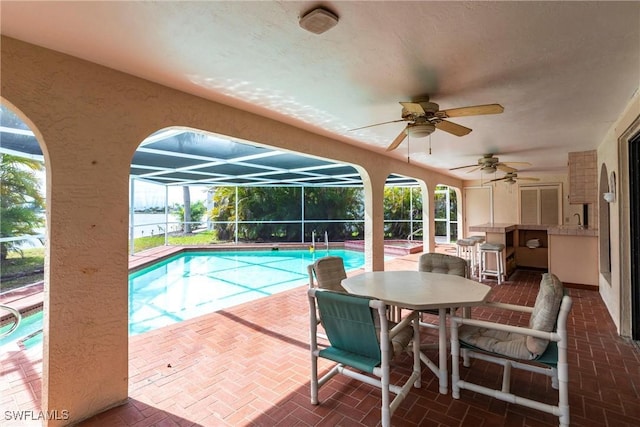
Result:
pixel 539 348
pixel 328 272
pixel 444 264
pixel 362 344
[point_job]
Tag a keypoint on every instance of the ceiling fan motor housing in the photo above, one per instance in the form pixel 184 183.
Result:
pixel 430 108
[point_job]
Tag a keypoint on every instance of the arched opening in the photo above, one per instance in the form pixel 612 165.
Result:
pixel 404 221
pixel 447 211
pixel 23 212
pixel 604 235
pixel 256 197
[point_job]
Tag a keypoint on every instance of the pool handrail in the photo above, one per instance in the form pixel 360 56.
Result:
pixel 18 317
pixel 410 236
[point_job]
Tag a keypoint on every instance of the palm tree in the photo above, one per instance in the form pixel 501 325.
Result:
pixel 20 199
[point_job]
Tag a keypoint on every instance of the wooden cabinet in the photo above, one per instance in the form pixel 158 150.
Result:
pixel 583 172
pixel 536 257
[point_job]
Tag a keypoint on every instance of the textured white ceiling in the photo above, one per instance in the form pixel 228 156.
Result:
pixel 563 71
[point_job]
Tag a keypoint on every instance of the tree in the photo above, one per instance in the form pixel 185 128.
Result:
pixel 401 204
pixel 274 213
pixel 197 211
pixel 21 203
pixel 186 197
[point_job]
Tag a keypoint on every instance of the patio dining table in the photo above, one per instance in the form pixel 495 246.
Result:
pixel 419 290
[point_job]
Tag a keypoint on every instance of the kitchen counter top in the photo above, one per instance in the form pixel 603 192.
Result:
pixel 543 227
pixel 493 227
pixel 572 230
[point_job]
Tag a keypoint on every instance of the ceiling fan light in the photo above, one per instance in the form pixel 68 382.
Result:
pixel 489 169
pixel 420 130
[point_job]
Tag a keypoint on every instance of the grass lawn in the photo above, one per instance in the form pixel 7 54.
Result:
pixel 19 270
pixel 27 268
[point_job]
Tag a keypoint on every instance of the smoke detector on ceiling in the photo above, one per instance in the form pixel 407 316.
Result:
pixel 318 21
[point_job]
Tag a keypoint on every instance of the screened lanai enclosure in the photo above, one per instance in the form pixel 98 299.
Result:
pixel 192 186
pixel 256 194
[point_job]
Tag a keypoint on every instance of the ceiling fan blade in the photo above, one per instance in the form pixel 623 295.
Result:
pixel 511 164
pixel 528 179
pixel 413 107
pixel 476 110
pixel 497 179
pixel 505 168
pixel 378 124
pixel 478 167
pixel 453 128
pixel 463 167
pixel 396 142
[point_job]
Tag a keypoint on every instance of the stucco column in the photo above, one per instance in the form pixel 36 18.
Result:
pixel 85 360
pixel 374 220
pixel 428 223
pixel 79 116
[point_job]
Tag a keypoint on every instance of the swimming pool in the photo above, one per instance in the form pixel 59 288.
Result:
pixel 195 283
pixel 191 284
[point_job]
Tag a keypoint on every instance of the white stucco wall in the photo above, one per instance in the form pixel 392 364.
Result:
pixel 89 120
pixel 616 294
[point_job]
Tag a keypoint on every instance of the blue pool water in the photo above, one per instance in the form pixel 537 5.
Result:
pixel 195 283
pixel 28 333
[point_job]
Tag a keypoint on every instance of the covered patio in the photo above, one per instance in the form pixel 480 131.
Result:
pixel 93 83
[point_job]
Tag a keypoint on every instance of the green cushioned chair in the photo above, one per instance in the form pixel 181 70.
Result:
pixel 541 348
pixel 362 344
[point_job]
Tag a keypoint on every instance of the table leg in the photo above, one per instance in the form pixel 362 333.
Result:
pixel 442 350
pixel 439 369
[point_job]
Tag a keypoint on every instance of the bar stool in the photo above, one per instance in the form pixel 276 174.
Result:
pixel 477 240
pixel 491 248
pixel 465 249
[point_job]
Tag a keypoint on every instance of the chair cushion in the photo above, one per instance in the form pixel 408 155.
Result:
pixel 400 341
pixel 442 263
pixel 491 247
pixel 518 346
pixel 330 273
pixel 505 343
pixel 545 311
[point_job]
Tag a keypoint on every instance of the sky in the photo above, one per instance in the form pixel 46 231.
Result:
pixel 148 195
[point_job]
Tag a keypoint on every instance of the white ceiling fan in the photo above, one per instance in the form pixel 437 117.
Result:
pixel 490 164
pixel 425 117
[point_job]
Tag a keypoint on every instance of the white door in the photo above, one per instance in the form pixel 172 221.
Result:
pixel 478 208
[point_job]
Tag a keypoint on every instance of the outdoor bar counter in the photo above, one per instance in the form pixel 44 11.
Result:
pixel 568 251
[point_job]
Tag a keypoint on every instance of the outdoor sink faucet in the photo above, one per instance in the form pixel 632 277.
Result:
pixel 579 222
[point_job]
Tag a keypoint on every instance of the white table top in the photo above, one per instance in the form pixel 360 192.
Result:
pixel 418 290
